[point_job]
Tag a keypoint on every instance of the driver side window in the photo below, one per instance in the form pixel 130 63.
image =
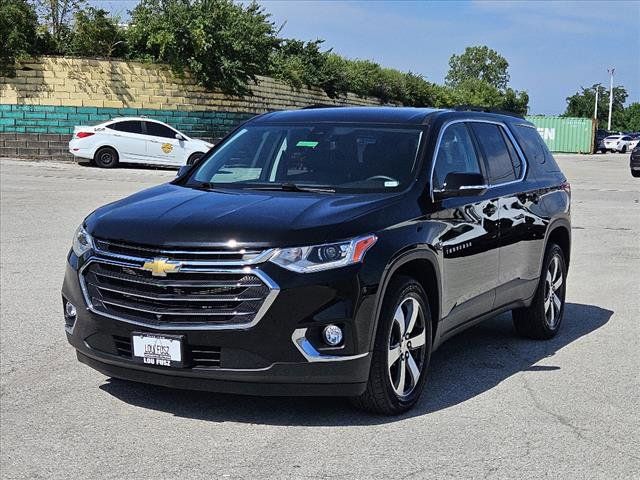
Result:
pixel 456 153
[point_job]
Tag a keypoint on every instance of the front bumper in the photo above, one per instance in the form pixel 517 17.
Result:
pixel 280 355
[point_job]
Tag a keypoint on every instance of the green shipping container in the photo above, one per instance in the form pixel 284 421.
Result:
pixel 565 134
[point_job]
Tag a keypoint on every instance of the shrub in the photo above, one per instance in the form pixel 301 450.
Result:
pixel 95 33
pixel 223 44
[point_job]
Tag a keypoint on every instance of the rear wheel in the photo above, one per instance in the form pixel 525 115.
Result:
pixel 542 319
pixel 106 157
pixel 402 350
pixel 194 157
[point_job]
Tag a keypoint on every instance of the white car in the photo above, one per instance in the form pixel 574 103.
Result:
pixel 135 140
pixel 619 143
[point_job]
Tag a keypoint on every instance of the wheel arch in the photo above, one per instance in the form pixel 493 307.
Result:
pixel 422 265
pixel 559 232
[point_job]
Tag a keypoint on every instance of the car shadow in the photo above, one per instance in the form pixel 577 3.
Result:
pixel 465 366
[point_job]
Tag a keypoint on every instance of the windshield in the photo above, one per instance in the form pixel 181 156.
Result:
pixel 350 158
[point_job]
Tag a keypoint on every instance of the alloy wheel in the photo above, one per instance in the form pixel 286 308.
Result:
pixel 553 292
pixel 406 347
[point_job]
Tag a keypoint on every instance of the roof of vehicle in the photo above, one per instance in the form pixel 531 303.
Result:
pixel 405 115
pixel 141 119
pixel 392 115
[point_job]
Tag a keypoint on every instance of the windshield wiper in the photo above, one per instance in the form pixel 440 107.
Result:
pixel 292 187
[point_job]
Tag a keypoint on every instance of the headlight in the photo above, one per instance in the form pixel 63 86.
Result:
pixel 324 257
pixel 82 241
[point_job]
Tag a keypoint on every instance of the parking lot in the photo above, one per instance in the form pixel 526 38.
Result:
pixel 495 405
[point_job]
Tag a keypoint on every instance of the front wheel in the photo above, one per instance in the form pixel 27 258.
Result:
pixel 623 149
pixel 635 173
pixel 402 350
pixel 542 319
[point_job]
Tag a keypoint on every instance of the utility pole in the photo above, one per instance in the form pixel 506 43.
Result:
pixel 610 71
pixel 595 109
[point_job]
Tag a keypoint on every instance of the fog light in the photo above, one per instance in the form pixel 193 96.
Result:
pixel 70 310
pixel 332 335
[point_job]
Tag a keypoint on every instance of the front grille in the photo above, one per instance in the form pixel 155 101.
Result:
pixel 194 296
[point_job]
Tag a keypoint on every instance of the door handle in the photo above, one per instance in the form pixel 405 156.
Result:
pixel 489 209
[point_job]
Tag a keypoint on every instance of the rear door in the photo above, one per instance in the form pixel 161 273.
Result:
pixel 128 140
pixel 162 145
pixel 469 233
pixel 521 227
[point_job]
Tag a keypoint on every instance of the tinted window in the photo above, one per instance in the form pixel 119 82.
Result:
pixel 455 154
pixel 530 143
pixel 158 130
pixel 345 157
pixel 495 150
pixel 130 126
pixel 515 158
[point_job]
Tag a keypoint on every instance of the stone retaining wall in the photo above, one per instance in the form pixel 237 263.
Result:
pixel 44 101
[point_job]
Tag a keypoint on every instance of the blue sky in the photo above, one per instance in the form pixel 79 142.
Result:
pixel 553 48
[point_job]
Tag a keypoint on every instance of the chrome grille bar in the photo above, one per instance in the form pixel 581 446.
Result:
pixel 202 295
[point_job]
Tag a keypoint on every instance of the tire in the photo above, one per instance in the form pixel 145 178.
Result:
pixel 392 387
pixel 194 157
pixel 106 157
pixel 623 149
pixel 543 318
pixel 635 173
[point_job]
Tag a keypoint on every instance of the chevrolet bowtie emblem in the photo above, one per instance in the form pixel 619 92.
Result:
pixel 159 267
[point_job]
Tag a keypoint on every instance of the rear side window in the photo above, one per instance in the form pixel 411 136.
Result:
pixel 158 130
pixel 499 162
pixel 129 126
pixel 534 147
pixel 455 154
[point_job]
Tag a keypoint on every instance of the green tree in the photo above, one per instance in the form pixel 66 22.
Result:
pixel 57 15
pixel 95 33
pixel 18 40
pixel 631 118
pixel 478 63
pixel 582 103
pixel 224 45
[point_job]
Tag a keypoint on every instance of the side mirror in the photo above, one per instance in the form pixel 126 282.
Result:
pixel 179 137
pixel 461 185
pixel 182 170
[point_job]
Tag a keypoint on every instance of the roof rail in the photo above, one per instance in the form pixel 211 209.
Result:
pixel 475 108
pixel 320 105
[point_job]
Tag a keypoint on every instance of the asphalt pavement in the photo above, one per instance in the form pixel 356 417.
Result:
pixel 495 405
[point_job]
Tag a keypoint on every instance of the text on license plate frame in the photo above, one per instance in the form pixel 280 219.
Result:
pixel 157 349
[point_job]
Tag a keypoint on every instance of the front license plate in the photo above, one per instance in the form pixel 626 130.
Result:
pixel 162 350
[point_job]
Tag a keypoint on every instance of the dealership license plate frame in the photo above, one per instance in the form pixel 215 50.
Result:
pixel 173 358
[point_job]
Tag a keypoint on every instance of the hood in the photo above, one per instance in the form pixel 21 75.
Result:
pixel 206 145
pixel 172 215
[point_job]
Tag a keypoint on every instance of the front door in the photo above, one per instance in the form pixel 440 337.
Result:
pixel 468 239
pixel 162 145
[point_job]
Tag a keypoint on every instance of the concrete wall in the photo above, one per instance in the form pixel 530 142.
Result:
pixel 47 98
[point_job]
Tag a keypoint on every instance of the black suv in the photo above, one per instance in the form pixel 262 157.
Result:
pixel 324 251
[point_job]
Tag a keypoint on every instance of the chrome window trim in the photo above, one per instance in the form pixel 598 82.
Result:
pixel 274 290
pixel 516 146
pixel 309 352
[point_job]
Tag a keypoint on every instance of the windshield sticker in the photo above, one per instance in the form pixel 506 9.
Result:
pixel 306 143
pixel 393 183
